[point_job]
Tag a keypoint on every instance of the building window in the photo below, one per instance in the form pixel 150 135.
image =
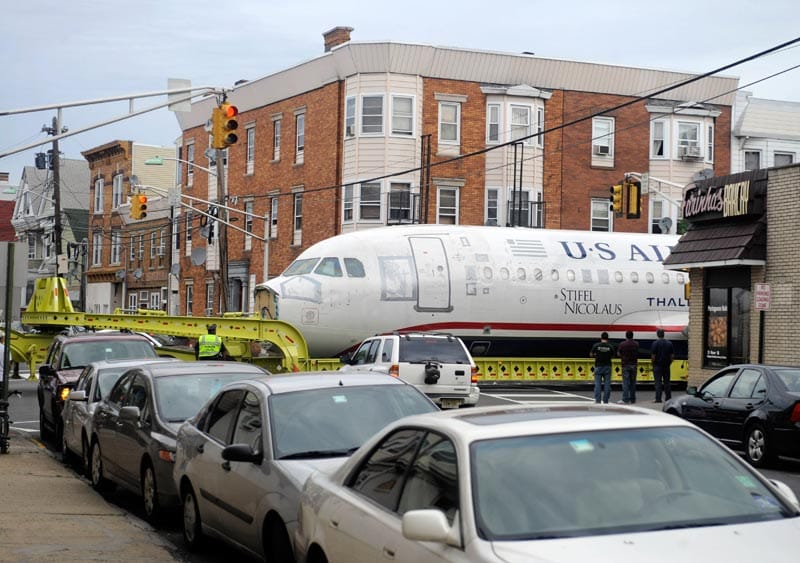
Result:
pixel 601 219
pixel 133 248
pixel 298 218
pixel 143 298
pixel 133 302
pixel 97 249
pixel 179 167
pixel 540 127
pixel 492 207
pixel 116 191
pixel 688 139
pixel 47 243
pixel 31 248
pixel 98 195
pixel 347 202
pixel 710 143
pixel 189 299
pixel 449 123
pixel 248 224
pixel 372 115
pixel 162 242
pixel 400 203
pixel 350 117
pixel 300 137
pixel 188 226
pixel 189 165
pixel 493 123
pixel 521 123
pixel 155 300
pixel 603 136
pixel 250 154
pixel 369 208
pixel 276 139
pixel 727 317
pixel 752 160
pixel 447 206
pixel 116 247
pixel 656 214
pixel 783 159
pixel 519 208
pixel 658 139
pixel 153 246
pixel 141 247
pixel 273 214
pixel 403 115
pixel 209 298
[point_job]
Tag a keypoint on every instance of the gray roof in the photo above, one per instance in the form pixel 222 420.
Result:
pixel 771 119
pixel 74 183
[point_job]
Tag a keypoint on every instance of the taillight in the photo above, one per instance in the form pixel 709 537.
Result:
pixel 394 371
pixel 795 416
pixel 474 375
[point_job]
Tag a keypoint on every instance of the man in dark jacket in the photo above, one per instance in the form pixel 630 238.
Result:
pixel 662 353
pixel 628 351
pixel 602 352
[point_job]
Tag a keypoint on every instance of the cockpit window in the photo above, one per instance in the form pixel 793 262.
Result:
pixel 329 267
pixel 354 267
pixel 303 266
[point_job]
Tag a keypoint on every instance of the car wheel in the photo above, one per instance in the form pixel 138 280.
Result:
pixel 277 546
pixel 756 446
pixel 67 456
pixel 99 482
pixel 85 461
pixel 192 526
pixel 150 494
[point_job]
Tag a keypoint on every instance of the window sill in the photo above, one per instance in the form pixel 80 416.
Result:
pixel 275 161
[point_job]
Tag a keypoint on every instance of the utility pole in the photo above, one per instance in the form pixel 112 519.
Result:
pixel 55 162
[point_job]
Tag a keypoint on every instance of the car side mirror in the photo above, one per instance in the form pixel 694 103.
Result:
pixel 692 390
pixel 129 413
pixel 431 525
pixel 46 371
pixel 345 359
pixel 77 396
pixel 242 452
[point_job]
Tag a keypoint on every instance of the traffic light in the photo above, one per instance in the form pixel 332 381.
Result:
pixel 223 124
pixel 138 206
pixel 616 198
pixel 634 190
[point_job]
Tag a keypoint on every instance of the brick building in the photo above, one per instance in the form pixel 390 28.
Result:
pixel 343 142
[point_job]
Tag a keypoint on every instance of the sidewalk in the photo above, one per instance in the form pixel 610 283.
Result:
pixel 47 513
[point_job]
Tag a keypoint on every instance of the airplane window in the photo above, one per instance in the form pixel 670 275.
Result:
pixel 537 274
pixel 354 267
pixel 635 277
pixel 618 277
pixel 487 273
pixel 665 277
pixel 570 275
pixel 681 279
pixel 520 274
pixel 329 267
pixel 504 274
pixel 302 266
pixel 650 277
pixel 554 275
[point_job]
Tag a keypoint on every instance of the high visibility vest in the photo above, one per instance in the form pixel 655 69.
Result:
pixel 209 346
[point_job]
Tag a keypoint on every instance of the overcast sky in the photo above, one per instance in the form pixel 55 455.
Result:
pixel 56 51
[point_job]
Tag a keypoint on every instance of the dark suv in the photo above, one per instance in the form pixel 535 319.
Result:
pixel 66 358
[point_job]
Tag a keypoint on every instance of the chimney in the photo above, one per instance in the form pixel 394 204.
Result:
pixel 336 36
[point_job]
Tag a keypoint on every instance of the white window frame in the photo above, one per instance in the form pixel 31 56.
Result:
pixel 348 203
pixel 367 206
pixel 521 130
pixel 141 247
pixel 209 308
pixel 155 300
pixel 540 127
pixel 363 115
pixel 31 247
pixel 189 165
pixel 492 207
pixel 248 224
pixel 273 217
pixel 452 211
pixel 456 123
pixel 143 299
pixel 755 152
pixel 710 142
pixel 596 205
pixel 133 301
pixel 47 245
pixel 97 249
pixel 404 212
pixel 350 117
pixel 99 186
pixel 663 139
pixel 162 242
pixel 188 228
pixel 132 249
pixel 602 136
pixel 189 299
pixel 276 139
pixel 685 143
pixel 493 121
pixel 777 154
pixel 153 246
pixel 297 218
pixel 395 114
pixel 116 190
pixel 116 247
pixel 299 137
pixel 250 153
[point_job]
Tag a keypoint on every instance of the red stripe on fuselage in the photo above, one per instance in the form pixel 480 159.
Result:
pixel 540 327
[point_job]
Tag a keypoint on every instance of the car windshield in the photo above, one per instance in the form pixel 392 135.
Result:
pixel 336 420
pixel 179 397
pixel 608 482
pixel 427 349
pixel 80 354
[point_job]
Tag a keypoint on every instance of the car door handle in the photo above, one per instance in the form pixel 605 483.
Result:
pixel 226 465
pixel 717 403
pixel 749 406
pixel 201 448
pixel 388 553
pixel 334 523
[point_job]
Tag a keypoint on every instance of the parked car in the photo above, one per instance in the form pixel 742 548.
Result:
pixel 747 406
pixel 439 365
pixel 67 355
pixel 241 462
pixel 93 385
pixel 555 483
pixel 133 443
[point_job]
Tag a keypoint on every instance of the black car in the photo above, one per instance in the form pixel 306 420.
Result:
pixel 753 407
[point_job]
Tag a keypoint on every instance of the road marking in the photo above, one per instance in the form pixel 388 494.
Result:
pixel 543 396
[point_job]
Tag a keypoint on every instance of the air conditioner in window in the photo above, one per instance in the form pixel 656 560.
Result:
pixel 350 131
pixel 160 251
pixel 602 150
pixel 690 152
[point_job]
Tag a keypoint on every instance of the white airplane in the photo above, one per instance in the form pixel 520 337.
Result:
pixel 523 292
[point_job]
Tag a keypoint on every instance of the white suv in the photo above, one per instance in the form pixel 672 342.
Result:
pixel 439 365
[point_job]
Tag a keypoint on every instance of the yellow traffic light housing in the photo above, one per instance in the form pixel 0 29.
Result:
pixel 223 124
pixel 634 192
pixel 138 206
pixel 616 198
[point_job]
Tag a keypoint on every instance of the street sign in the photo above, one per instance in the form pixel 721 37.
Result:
pixel 762 296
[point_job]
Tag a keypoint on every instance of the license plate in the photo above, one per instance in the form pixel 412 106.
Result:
pixel 451 403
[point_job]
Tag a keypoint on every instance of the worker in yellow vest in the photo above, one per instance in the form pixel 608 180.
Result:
pixel 209 346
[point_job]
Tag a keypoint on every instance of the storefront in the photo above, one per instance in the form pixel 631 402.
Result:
pixel 725 250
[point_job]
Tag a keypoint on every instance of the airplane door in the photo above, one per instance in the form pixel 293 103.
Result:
pixel 433 274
